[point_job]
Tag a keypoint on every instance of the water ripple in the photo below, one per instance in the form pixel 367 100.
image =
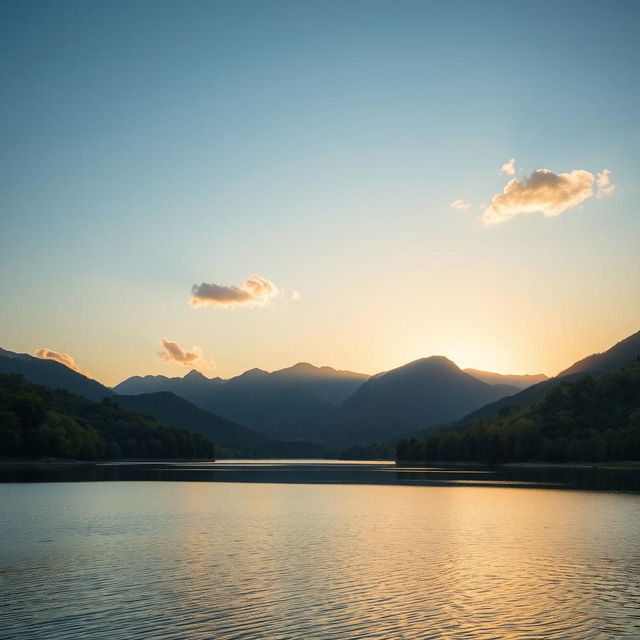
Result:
pixel 277 562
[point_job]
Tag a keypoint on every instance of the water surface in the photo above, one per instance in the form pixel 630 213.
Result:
pixel 281 559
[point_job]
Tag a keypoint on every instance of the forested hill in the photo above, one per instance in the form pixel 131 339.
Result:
pixel 38 422
pixel 590 420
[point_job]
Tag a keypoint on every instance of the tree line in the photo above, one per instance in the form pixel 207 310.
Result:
pixel 39 422
pixel 586 420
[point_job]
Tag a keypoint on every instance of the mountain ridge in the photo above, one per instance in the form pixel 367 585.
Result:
pixel 620 354
pixel 424 392
pixel 521 381
pixel 53 374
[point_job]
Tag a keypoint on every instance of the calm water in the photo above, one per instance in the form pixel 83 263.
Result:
pixel 358 551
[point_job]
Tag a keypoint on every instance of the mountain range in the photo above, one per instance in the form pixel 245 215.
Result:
pixel 262 413
pixel 298 402
pixel 323 404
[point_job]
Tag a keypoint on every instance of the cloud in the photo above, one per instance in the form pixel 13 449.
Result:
pixel 460 205
pixel 173 352
pixel 509 167
pixel 544 192
pixel 62 358
pixel 254 292
pixel 603 182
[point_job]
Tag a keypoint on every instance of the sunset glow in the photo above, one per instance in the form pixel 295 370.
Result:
pixel 249 185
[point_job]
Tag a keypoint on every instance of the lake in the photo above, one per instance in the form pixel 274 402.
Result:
pixel 276 550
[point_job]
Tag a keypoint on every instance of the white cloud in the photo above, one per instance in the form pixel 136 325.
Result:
pixel 544 192
pixel 173 352
pixel 62 358
pixel 460 205
pixel 509 167
pixel 603 181
pixel 255 291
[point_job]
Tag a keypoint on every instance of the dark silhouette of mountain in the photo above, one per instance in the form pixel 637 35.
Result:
pixel 622 353
pixel 37 421
pixel 430 391
pixel 298 402
pixel 51 374
pixel 618 356
pixel 194 386
pixel 170 409
pixel 518 381
pixel 583 419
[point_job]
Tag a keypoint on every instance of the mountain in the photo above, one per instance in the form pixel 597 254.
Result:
pixel 298 402
pixel 51 374
pixel 193 386
pixel 582 419
pixel 423 393
pixel 622 353
pixel 295 403
pixel 170 409
pixel 37 421
pixel 518 381
pixel 619 355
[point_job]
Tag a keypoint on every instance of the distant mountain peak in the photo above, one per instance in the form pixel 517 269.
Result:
pixel 302 369
pixel 433 362
pixel 303 366
pixel 195 375
pixel 251 373
pixel 308 370
pixel 419 394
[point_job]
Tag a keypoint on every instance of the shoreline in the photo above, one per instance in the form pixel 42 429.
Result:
pixel 64 462
pixel 629 465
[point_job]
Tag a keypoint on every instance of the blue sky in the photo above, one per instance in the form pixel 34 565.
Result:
pixel 151 146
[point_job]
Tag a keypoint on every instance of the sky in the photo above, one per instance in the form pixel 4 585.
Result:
pixel 229 185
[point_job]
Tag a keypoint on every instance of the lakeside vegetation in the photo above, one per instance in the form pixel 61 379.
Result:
pixel 587 420
pixel 39 422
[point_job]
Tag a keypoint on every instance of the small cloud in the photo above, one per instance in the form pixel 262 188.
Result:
pixel 62 358
pixel 543 192
pixel 509 167
pixel 603 182
pixel 173 352
pixel 460 205
pixel 254 292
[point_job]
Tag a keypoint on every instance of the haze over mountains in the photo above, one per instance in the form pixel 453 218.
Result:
pixel 261 412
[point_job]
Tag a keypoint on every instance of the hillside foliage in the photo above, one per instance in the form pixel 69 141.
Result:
pixel 37 422
pixel 586 420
